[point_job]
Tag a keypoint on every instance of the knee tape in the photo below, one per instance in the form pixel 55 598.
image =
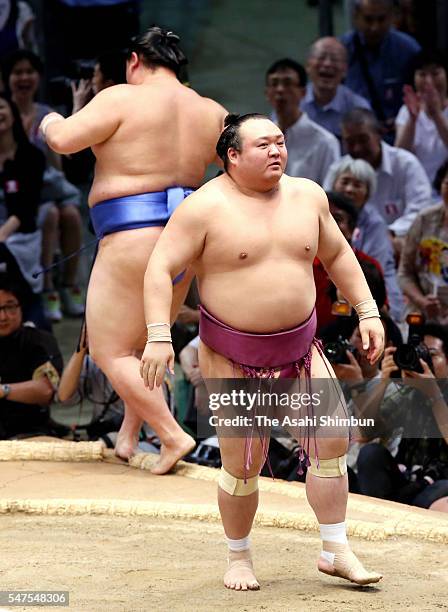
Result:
pixel 237 486
pixel 329 468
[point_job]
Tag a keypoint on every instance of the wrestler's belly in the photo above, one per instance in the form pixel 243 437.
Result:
pixel 264 301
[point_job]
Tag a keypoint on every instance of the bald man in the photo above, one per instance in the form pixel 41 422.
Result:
pixel 327 99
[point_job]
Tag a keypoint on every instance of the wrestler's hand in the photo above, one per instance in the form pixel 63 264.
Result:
pixel 372 335
pixel 156 357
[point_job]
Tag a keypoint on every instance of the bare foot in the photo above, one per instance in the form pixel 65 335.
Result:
pixel 240 574
pixel 170 454
pixel 345 565
pixel 125 447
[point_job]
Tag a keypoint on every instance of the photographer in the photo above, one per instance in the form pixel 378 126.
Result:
pixel 359 379
pixel 82 380
pixel 109 69
pixel 417 471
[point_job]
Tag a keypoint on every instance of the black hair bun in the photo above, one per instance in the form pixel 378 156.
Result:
pixel 231 119
pixel 171 37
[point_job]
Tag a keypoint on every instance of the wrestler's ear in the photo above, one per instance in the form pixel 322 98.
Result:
pixel 133 62
pixel 232 154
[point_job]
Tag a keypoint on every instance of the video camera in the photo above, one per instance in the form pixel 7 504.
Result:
pixel 408 355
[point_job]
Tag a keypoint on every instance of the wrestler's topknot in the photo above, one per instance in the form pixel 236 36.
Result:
pixel 158 47
pixel 230 136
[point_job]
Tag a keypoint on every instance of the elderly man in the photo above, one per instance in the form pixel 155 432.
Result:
pixel 311 148
pixel 150 137
pixel 402 187
pixel 251 224
pixel 326 100
pixel 379 59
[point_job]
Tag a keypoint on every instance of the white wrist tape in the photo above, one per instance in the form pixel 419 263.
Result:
pixel 367 309
pixel 47 120
pixel 158 332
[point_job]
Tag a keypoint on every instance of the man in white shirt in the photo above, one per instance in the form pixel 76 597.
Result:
pixel 311 148
pixel 403 188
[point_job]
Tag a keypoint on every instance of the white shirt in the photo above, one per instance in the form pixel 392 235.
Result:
pixel 428 147
pixel 403 189
pixel 311 150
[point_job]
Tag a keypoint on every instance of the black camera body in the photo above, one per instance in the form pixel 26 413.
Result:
pixel 60 88
pixel 408 355
pixel 335 351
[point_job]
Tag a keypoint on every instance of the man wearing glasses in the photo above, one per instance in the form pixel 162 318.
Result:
pixel 30 366
pixel 311 148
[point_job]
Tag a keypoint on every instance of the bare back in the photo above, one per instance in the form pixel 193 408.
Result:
pixel 166 136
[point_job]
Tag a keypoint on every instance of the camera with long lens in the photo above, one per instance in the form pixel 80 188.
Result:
pixel 60 88
pixel 408 355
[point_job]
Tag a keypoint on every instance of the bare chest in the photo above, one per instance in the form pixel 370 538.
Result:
pixel 248 236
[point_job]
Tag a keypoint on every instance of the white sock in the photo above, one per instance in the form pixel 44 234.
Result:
pixel 238 545
pixel 335 532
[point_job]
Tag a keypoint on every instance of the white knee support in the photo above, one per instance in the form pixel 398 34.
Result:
pixel 329 468
pixel 237 486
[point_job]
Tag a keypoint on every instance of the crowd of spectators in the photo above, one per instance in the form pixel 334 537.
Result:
pixel 365 116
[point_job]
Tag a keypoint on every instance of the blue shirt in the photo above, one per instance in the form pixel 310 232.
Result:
pixel 389 66
pixel 330 115
pixel 371 236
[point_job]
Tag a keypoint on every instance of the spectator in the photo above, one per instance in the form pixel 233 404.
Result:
pixel 109 69
pixel 22 167
pixel 326 100
pixel 345 215
pixel 422 123
pixel 402 188
pixel 419 414
pixel 423 271
pixel 356 179
pixel 197 413
pixel 311 148
pixel 30 366
pixel 379 59
pixel 60 221
pixel 359 378
pixel 16 26
pixel 22 73
pixel 82 380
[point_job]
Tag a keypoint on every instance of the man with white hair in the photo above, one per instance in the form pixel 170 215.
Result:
pixel 356 179
pixel 327 100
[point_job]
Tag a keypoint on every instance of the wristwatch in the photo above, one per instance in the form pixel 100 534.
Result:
pixel 6 391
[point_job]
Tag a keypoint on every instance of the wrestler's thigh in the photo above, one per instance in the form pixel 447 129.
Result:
pixel 214 365
pixel 330 441
pixel 234 450
pixel 115 313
